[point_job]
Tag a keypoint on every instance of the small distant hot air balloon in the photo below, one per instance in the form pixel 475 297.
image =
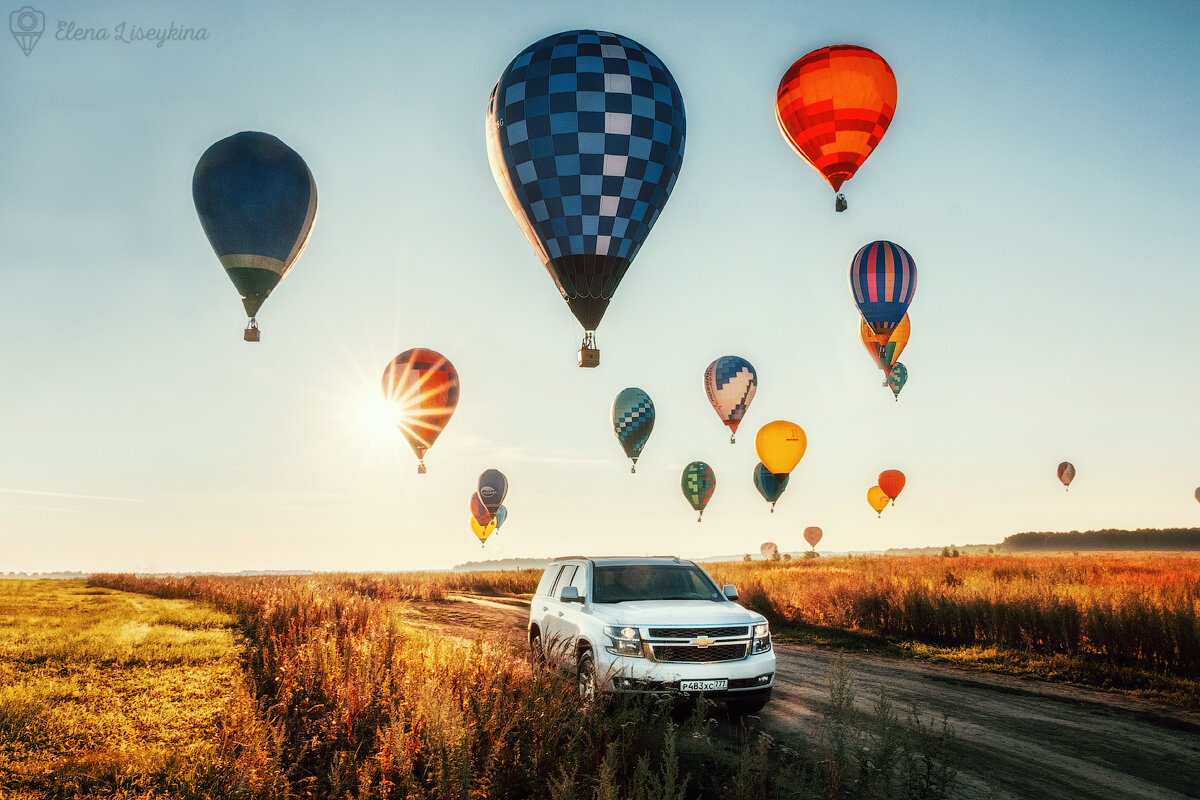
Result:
pixel 585 133
pixel 812 535
pixel 769 485
pixel 730 383
pixel 501 515
pixel 1198 494
pixel 897 378
pixel 883 279
pixel 769 550
pixel 877 499
pixel 833 106
pixel 698 484
pixel 885 355
pixel 423 385
pixel 633 420
pixel 780 445
pixel 1066 474
pixel 491 489
pixel 891 481
pixel 482 532
pixel 257 202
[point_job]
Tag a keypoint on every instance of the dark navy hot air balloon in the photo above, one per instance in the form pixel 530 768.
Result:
pixel 257 201
pixel 585 133
pixel 883 278
pixel 769 485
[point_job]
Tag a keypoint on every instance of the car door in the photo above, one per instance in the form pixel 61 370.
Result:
pixel 571 623
pixel 553 639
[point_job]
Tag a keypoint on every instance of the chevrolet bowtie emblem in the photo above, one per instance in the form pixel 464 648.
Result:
pixel 703 641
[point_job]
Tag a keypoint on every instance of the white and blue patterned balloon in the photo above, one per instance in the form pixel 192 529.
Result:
pixel 633 419
pixel 730 383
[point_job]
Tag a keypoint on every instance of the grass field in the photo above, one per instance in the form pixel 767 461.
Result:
pixel 108 694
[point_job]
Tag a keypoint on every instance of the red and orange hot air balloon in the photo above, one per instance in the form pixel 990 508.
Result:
pixel 423 386
pixel 891 481
pixel 833 106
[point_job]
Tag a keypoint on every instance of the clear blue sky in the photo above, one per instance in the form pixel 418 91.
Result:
pixel 1040 168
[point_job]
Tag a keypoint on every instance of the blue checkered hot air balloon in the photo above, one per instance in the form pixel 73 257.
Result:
pixel 698 484
pixel 257 202
pixel 730 383
pixel 633 419
pixel 585 133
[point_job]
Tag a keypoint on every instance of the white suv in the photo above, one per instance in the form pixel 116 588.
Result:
pixel 651 624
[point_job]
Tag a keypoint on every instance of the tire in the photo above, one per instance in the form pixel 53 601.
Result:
pixel 745 706
pixel 537 658
pixel 586 675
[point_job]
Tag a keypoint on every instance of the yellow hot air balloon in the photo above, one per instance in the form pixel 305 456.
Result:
pixel 878 499
pixel 482 531
pixel 780 445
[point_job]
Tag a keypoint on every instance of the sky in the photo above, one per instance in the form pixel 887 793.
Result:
pixel 1040 169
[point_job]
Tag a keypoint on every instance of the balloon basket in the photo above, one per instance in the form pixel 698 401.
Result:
pixel 633 469
pixel 251 332
pixel 420 467
pixel 839 203
pixel 589 354
pixel 731 439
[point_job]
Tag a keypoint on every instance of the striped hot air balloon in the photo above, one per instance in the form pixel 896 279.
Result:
pixel 883 279
pixel 833 106
pixel 423 385
pixel 1066 474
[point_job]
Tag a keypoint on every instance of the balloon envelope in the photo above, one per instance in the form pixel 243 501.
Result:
pixel 585 134
pixel 1066 473
pixel 812 535
pixel 877 499
pixel 883 279
pixel 633 420
pixel 897 378
pixel 423 385
pixel 885 355
pixel 698 484
pixel 479 511
pixel 780 445
pixel 834 105
pixel 501 515
pixel 1198 494
pixel 769 485
pixel 769 550
pixel 891 481
pixel 257 202
pixel 491 489
pixel 730 383
pixel 482 531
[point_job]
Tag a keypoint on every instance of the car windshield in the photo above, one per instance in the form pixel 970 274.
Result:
pixel 618 584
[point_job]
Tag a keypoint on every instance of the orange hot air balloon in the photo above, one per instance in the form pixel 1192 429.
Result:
pixel 833 106
pixel 877 499
pixel 812 535
pixel 887 352
pixel 1066 474
pixel 423 386
pixel 891 481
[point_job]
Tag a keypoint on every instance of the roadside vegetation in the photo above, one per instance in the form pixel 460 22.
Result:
pixel 361 704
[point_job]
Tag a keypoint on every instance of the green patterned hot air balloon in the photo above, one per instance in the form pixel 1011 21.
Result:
pixel 897 378
pixel 698 484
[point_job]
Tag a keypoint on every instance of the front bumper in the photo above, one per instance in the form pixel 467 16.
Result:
pixel 622 674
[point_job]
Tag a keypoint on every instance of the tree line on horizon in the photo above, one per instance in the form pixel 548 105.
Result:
pixel 1108 539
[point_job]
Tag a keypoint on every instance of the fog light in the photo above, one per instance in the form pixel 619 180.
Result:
pixel 764 678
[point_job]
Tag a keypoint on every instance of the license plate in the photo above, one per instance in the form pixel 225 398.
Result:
pixel 719 685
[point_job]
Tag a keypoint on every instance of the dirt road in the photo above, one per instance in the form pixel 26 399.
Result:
pixel 1018 739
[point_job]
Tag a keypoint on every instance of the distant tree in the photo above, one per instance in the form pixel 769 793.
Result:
pixel 787 556
pixel 954 553
pixel 747 558
pixel 775 556
pixel 945 552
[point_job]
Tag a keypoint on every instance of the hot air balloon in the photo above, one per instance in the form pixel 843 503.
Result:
pixel 633 420
pixel 257 202
pixel 877 499
pixel 479 511
pixel 730 383
pixel 885 355
pixel 1198 494
pixel 1066 474
pixel 491 489
pixel 769 485
pixel 897 378
pixel 585 134
pixel 501 515
pixel 698 483
pixel 482 531
pixel 812 535
pixel 769 550
pixel 883 279
pixel 424 387
pixel 833 106
pixel 780 445
pixel 891 481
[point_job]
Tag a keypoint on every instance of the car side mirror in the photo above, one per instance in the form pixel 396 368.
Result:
pixel 570 594
pixel 729 591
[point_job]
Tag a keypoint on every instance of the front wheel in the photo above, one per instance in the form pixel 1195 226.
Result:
pixel 537 658
pixel 587 675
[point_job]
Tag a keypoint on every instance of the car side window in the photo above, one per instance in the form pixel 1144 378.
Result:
pixel 579 581
pixel 547 580
pixel 564 579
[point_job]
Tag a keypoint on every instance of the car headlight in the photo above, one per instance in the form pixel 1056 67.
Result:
pixel 626 641
pixel 762 638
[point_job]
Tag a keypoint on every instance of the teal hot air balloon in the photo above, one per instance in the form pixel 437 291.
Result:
pixel 501 515
pixel 256 200
pixel 633 420
pixel 585 132
pixel 769 485
pixel 897 378
pixel 698 483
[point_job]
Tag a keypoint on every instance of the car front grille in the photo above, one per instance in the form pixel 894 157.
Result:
pixel 691 633
pixel 699 655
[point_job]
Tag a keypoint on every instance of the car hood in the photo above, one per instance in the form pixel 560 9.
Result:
pixel 675 612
